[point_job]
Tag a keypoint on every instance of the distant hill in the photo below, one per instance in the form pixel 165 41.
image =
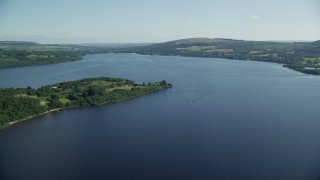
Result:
pixel 17 43
pixel 226 43
pixel 114 45
pixel 295 55
pixel 316 42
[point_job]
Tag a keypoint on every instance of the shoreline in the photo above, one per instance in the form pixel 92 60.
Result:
pixel 304 71
pixel 34 116
pixel 72 107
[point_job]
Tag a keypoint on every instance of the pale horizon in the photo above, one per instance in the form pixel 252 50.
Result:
pixel 142 21
pixel 284 41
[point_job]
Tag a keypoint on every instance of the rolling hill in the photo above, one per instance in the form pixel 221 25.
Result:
pixel 300 56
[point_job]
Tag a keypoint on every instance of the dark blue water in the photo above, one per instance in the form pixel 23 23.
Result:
pixel 223 119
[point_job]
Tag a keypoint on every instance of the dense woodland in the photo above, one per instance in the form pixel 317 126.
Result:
pixel 23 103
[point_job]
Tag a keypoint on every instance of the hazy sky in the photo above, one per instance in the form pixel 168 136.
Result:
pixel 76 21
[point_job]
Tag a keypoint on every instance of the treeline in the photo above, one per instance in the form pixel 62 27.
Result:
pixel 21 103
pixel 302 68
pixel 16 108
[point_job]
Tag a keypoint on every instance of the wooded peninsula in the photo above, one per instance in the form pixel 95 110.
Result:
pixel 18 104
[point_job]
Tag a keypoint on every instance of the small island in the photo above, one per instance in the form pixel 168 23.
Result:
pixel 18 104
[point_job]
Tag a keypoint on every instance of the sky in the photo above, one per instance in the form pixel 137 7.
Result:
pixel 141 21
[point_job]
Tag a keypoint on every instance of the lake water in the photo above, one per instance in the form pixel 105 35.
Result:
pixel 223 119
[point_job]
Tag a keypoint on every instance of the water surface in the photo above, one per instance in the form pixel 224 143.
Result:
pixel 224 119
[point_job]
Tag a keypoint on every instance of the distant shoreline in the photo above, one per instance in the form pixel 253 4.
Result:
pixel 299 56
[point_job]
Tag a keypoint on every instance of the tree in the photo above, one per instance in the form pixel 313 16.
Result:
pixel 163 83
